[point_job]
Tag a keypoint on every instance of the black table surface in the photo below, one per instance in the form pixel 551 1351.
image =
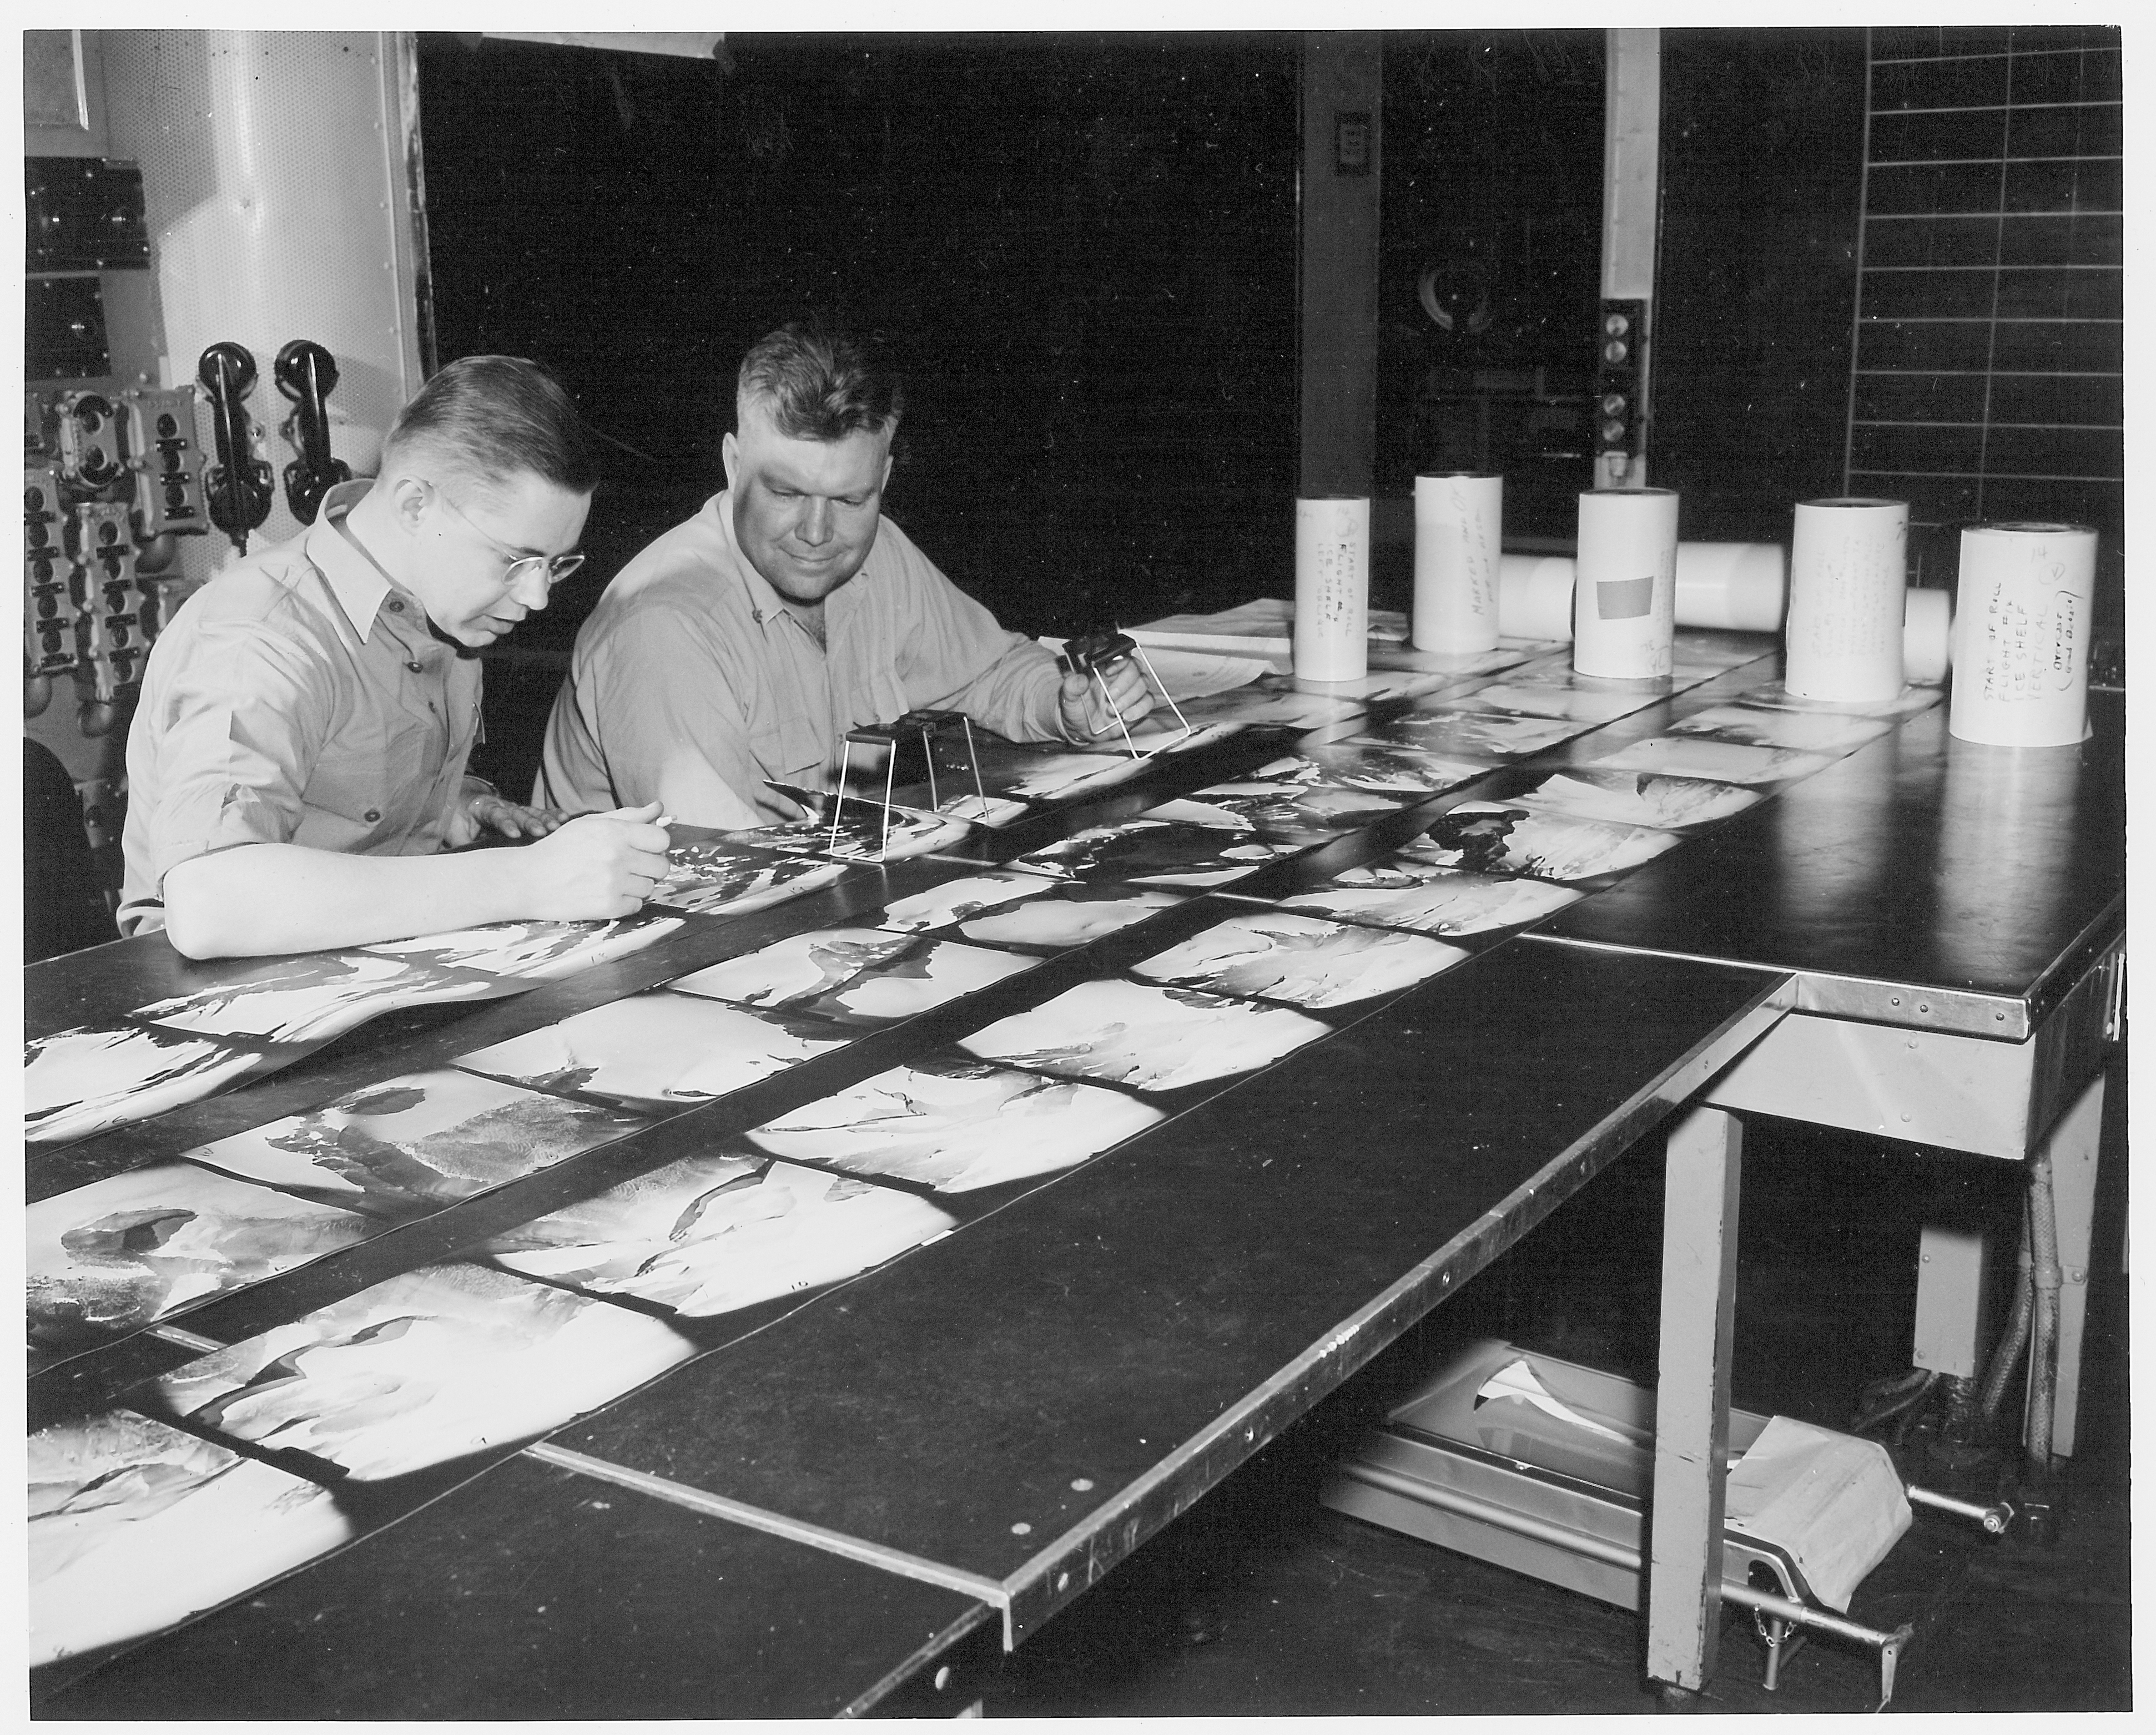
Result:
pixel 1989 876
pixel 536 1593
pixel 1024 1401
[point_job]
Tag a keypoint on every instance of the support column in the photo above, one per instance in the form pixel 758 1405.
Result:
pixel 1337 247
pixel 1691 1398
pixel 2072 1148
pixel 1631 222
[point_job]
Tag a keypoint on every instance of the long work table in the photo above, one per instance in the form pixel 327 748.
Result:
pixel 838 1488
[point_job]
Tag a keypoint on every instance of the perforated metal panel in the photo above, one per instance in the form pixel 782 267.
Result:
pixel 273 168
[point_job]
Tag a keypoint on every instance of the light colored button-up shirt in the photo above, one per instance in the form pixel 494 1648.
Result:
pixel 297 698
pixel 692 682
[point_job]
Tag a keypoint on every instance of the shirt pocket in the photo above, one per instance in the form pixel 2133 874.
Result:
pixel 375 779
pixel 790 749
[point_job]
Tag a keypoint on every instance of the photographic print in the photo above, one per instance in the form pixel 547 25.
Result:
pixel 1290 814
pixel 1808 732
pixel 1070 915
pixel 1490 838
pixel 1274 699
pixel 80 1081
pixel 1626 798
pixel 710 1233
pixel 1046 776
pixel 134 1526
pixel 1555 695
pixel 1274 955
pixel 409 1146
pixel 533 950
pixel 711 879
pixel 1907 702
pixel 863 833
pixel 430 1366
pixel 1152 1039
pixel 1728 761
pixel 311 999
pixel 115 1256
pixel 955 899
pixel 659 1051
pixel 1430 900
pixel 956 1125
pixel 867 976
pixel 1468 733
pixel 1151 852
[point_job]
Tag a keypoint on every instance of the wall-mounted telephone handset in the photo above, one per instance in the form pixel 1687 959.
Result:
pixel 307 373
pixel 241 488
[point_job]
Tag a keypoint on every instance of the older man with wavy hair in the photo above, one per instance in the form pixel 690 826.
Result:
pixel 742 646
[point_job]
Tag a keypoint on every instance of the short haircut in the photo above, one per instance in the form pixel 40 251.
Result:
pixel 818 382
pixel 487 420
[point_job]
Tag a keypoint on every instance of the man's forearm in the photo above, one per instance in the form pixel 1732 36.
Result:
pixel 1016 695
pixel 261 899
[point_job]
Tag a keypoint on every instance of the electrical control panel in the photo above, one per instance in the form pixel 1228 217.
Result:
pixel 49 599
pixel 107 483
pixel 162 452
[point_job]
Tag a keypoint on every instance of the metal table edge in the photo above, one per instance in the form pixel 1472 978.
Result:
pixel 1044 1583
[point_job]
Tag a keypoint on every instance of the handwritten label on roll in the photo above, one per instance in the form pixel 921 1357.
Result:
pixel 1624 601
pixel 1848 587
pixel 1331 589
pixel 2021 620
pixel 1458 533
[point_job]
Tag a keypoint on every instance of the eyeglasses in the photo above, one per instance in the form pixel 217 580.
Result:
pixel 552 568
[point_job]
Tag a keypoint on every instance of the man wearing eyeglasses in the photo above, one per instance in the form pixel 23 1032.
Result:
pixel 740 648
pixel 296 761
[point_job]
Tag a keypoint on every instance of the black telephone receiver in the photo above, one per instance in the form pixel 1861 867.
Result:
pixel 240 486
pixel 307 373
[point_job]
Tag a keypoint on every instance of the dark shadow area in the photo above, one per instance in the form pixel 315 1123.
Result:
pixel 1260 1601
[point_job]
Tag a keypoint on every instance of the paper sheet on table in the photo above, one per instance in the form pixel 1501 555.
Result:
pixel 1263 627
pixel 1516 1379
pixel 1833 1501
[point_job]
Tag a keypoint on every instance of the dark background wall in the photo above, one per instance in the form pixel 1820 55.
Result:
pixel 1989 380
pixel 1081 251
pixel 1763 162
pixel 1493 190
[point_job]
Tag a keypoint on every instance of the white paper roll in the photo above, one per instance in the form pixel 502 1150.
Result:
pixel 1623 605
pixel 1848 581
pixel 1928 636
pixel 1331 589
pixel 1534 596
pixel 2021 623
pixel 1460 531
pixel 1737 585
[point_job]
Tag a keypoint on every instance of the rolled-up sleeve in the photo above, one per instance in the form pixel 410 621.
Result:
pixel 662 695
pixel 241 723
pixel 954 657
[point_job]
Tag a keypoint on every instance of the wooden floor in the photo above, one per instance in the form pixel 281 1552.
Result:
pixel 1261 1602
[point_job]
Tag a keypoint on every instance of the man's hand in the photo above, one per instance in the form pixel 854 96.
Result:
pixel 1087 714
pixel 596 867
pixel 488 812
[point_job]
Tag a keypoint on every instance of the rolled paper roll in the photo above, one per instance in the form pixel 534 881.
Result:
pixel 2021 625
pixel 1534 596
pixel 1928 636
pixel 1332 590
pixel 1848 585
pixel 1623 604
pixel 1460 527
pixel 1742 586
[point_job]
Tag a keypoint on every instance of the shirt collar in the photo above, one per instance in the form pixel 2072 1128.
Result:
pixel 357 583
pixel 765 605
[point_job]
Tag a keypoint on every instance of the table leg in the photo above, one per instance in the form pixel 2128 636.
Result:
pixel 2071 1146
pixel 1691 1399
